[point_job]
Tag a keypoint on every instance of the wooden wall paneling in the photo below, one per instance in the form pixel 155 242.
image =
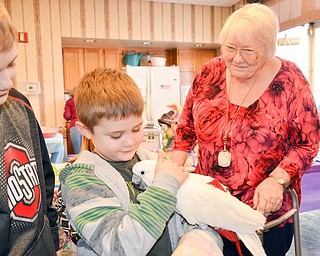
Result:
pixel 65 18
pixel 204 56
pixel 178 26
pixel 114 18
pixel 186 23
pixel 21 65
pixel 73 67
pixel 173 57
pixel 157 12
pixel 112 58
pixel 187 59
pixel 33 63
pixel 157 53
pixel 217 23
pixel 123 19
pixel 239 4
pixel 136 20
pixel 169 59
pixel 145 21
pixel 206 24
pixel 31 47
pixel 17 17
pixel 90 14
pixel 46 72
pixel 75 16
pixel 100 18
pixel 285 11
pixel 162 53
pixel 225 13
pixel 71 22
pixel 57 63
pixel 190 61
pixel 198 24
pixel 218 17
pixel 294 13
pixel 16 14
pixel 166 22
pixel 93 58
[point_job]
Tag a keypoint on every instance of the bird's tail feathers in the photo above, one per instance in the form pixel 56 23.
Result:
pixel 253 243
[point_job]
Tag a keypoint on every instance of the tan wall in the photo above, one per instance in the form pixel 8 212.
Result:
pixel 294 13
pixel 40 60
pixel 140 19
pixel 46 21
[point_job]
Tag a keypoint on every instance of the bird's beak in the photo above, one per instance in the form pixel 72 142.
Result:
pixel 138 182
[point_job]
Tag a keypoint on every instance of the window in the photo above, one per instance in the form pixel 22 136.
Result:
pixel 301 45
pixel 293 45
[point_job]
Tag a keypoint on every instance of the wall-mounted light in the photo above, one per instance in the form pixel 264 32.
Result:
pixel 311 29
pixel 90 41
pixel 199 45
pixel 146 42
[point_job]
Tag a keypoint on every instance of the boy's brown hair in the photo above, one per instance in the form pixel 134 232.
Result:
pixel 107 93
pixel 8 32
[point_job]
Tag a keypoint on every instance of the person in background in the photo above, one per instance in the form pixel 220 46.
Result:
pixel 111 216
pixel 70 114
pixel 27 217
pixel 254 118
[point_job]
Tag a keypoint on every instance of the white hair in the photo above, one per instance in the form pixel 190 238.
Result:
pixel 253 22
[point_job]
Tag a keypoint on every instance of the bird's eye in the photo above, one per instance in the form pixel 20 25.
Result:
pixel 142 172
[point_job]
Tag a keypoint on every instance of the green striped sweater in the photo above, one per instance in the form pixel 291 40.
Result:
pixel 99 209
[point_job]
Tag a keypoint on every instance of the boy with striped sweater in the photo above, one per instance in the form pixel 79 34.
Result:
pixel 111 216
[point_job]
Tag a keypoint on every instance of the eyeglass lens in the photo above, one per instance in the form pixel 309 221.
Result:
pixel 230 52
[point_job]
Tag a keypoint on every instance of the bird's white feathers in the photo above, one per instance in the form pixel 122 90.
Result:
pixel 201 203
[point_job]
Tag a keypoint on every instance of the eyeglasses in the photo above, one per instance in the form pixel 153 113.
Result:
pixel 229 52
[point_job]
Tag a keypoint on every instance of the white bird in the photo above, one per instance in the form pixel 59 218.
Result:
pixel 204 204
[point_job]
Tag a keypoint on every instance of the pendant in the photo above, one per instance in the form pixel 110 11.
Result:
pixel 224 158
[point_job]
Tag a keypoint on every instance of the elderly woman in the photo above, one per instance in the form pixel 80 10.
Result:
pixel 254 119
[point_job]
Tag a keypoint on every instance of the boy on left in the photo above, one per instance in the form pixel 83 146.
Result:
pixel 27 218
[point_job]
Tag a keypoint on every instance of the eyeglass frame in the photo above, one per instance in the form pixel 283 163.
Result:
pixel 239 50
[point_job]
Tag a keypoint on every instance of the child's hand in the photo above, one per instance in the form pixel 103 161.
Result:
pixel 171 168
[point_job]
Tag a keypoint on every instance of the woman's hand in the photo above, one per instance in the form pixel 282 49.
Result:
pixel 179 157
pixel 171 168
pixel 268 196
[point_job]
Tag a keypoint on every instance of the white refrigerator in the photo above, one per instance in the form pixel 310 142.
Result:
pixel 159 86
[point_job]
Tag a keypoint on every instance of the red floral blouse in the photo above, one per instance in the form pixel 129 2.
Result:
pixel 280 129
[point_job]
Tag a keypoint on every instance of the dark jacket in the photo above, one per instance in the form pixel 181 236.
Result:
pixel 28 221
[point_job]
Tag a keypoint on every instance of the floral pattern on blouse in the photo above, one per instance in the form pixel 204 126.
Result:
pixel 281 128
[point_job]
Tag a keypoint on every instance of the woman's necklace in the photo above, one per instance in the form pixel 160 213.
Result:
pixel 224 156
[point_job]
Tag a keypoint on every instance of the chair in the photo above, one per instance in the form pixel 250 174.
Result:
pixel 296 222
pixel 69 143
